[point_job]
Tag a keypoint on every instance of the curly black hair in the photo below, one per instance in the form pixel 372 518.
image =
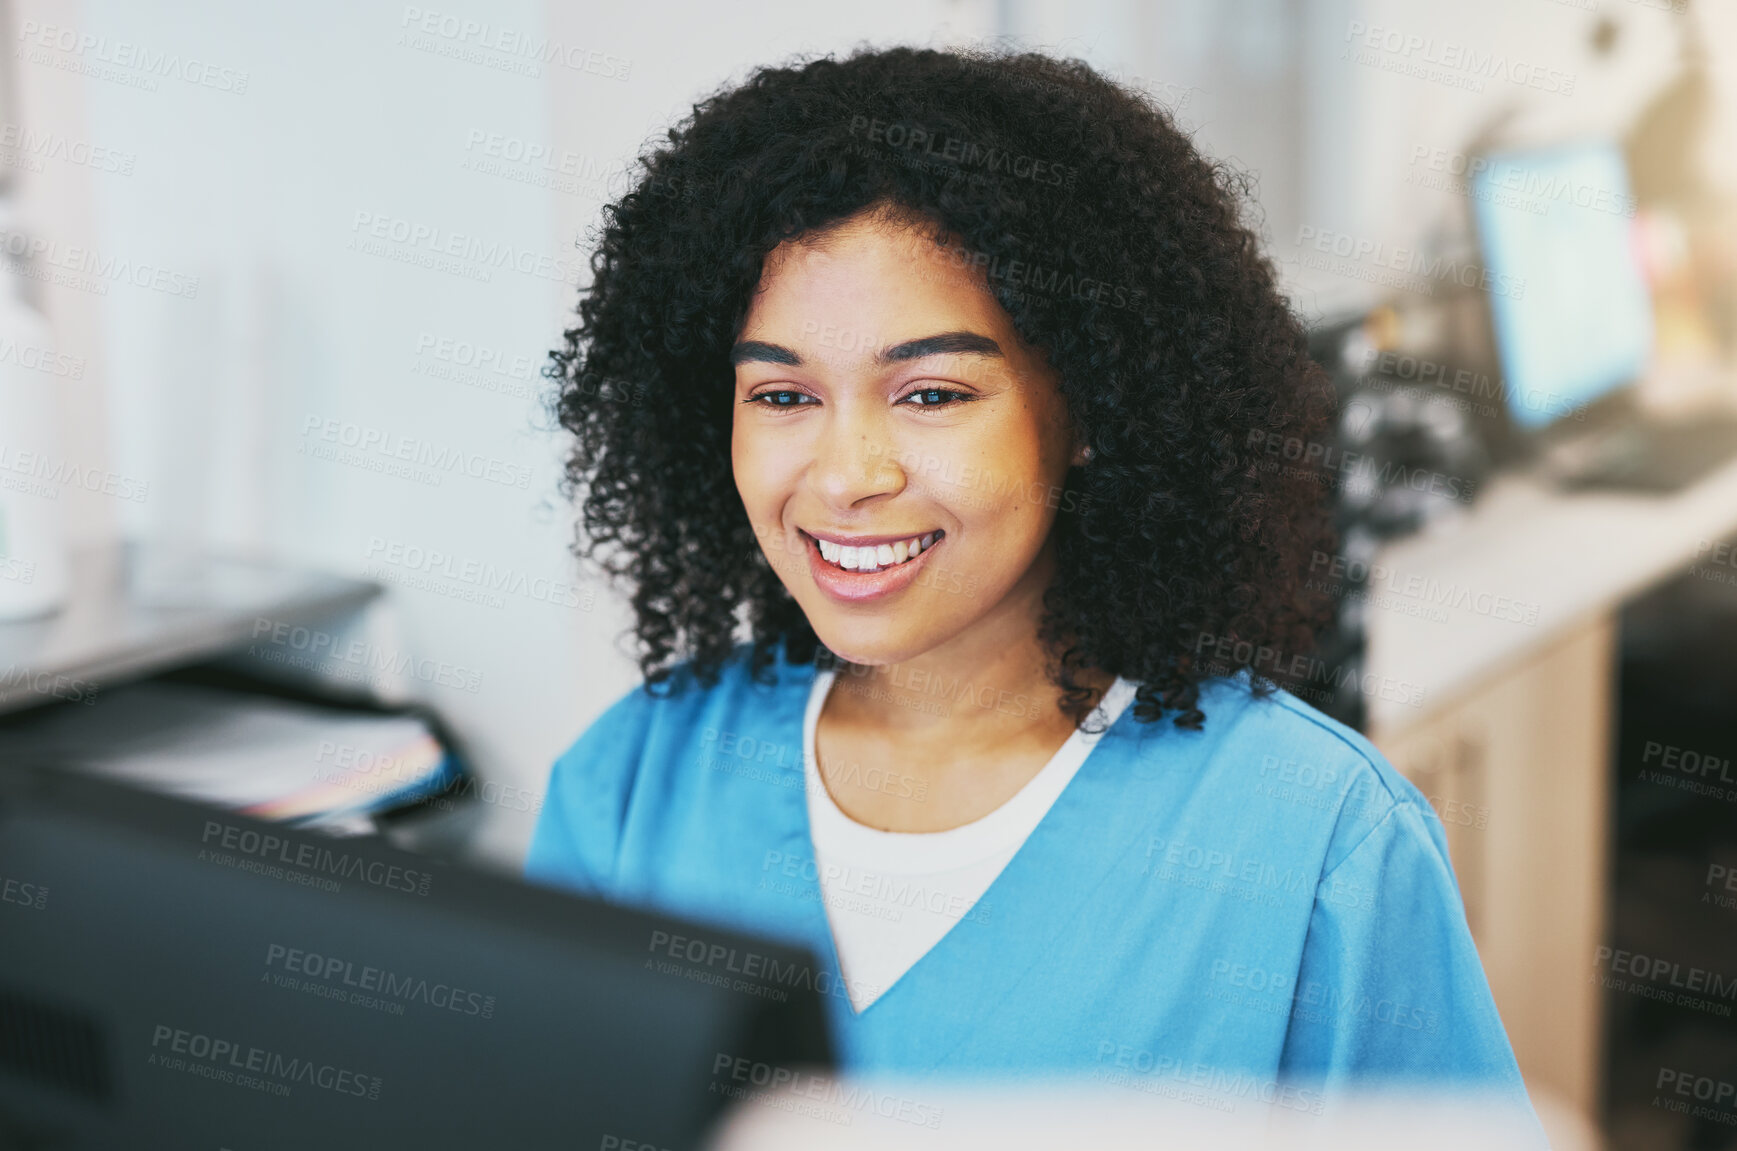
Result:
pixel 1114 246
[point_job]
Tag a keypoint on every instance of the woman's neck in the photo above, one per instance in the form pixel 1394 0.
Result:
pixel 965 725
pixel 969 702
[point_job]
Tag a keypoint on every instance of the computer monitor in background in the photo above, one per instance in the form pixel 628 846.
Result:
pixel 173 975
pixel 1571 311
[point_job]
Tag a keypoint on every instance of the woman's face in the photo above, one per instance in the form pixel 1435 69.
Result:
pixel 883 397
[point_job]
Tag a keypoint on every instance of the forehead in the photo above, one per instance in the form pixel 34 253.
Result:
pixel 873 275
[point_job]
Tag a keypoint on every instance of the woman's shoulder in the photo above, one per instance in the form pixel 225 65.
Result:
pixel 655 736
pixel 1312 742
pixel 685 708
pixel 1297 773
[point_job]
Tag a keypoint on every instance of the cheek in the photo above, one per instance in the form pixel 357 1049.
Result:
pixel 750 464
pixel 1004 493
pixel 766 472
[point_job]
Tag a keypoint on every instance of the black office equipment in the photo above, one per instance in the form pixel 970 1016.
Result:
pixel 173 975
pixel 1669 999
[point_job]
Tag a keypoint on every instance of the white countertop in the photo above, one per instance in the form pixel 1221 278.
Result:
pixel 1442 625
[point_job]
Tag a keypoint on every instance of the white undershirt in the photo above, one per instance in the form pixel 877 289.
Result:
pixel 890 896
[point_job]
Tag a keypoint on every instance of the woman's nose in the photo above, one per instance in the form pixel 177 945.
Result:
pixel 854 463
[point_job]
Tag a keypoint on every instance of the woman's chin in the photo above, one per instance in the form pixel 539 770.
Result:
pixel 866 652
pixel 860 657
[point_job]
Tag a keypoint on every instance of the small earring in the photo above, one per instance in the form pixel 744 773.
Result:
pixel 1086 454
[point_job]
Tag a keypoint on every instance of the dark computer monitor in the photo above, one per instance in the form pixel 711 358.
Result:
pixel 173 975
pixel 1570 307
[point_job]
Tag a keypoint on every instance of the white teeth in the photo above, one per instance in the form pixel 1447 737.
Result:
pixel 873 557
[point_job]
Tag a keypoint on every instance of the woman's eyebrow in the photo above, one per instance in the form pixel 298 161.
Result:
pixel 946 343
pixel 760 352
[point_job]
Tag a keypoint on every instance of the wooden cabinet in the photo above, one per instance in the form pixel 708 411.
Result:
pixel 1519 772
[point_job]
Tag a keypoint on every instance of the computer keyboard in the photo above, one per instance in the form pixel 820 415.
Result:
pixel 1644 456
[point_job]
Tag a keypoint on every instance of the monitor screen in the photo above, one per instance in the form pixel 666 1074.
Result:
pixel 175 975
pixel 1573 318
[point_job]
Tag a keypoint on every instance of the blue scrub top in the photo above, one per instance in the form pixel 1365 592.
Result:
pixel 1262 901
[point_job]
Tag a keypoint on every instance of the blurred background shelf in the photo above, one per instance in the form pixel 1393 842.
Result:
pixel 135 611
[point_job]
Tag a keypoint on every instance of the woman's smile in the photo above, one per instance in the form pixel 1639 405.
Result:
pixel 853 569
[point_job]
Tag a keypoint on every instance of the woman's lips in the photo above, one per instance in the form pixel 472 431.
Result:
pixel 857 586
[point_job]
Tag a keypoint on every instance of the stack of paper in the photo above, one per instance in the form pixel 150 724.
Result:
pixel 267 757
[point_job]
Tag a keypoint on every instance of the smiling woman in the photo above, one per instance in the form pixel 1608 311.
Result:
pixel 854 386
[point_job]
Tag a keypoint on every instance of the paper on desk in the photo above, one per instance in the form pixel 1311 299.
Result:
pixel 269 758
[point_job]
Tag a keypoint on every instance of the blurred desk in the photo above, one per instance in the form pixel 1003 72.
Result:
pixel 133 612
pixel 1496 640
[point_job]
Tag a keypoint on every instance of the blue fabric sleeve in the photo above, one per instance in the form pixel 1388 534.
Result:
pixel 1390 992
pixel 578 834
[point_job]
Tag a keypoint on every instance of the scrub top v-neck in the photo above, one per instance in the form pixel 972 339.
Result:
pixel 891 897
pixel 1261 905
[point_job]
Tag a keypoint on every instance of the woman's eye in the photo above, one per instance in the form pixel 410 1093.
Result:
pixel 782 398
pixel 934 397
